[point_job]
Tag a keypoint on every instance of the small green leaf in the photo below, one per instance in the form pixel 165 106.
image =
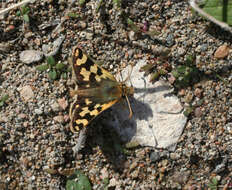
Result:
pixel 188 111
pixel 69 69
pixel 106 182
pixel 3 99
pixel 213 184
pixel 118 3
pixel 64 75
pixel 99 5
pixel 26 18
pixel 24 10
pixel 73 15
pixel 18 13
pixel 81 2
pixel 78 181
pixel 51 61
pixel 52 75
pixel 43 67
pixel 60 66
pixel 132 25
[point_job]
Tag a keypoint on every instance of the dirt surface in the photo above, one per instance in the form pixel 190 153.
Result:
pixel 35 138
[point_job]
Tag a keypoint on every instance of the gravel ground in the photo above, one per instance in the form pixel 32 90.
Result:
pixel 35 139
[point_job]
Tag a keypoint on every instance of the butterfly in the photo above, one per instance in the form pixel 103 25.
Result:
pixel 97 90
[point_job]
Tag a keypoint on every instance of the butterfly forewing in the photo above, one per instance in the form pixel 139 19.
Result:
pixel 88 74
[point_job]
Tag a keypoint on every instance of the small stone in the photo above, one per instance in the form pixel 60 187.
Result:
pixel 66 118
pixel 198 92
pixel 170 40
pixel 38 111
pixel 5 47
pixel 188 97
pixel 4 119
pixel 82 24
pixel 134 165
pixel 182 92
pixel 198 112
pixel 171 79
pixel 113 182
pixel 135 174
pixel 132 35
pixel 55 107
pixel 221 52
pixel 104 173
pixel 28 34
pixel 22 116
pixel 181 51
pixel 89 36
pixel 63 103
pixel 26 93
pixel 174 156
pixel 59 119
pixel 30 56
pixel 155 156
pixel 181 177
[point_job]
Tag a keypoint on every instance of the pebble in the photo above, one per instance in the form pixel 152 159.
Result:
pixel 26 93
pixel 63 103
pixel 155 156
pixel 30 56
pixel 198 112
pixel 55 107
pixel 104 173
pixel 38 111
pixel 198 92
pixel 59 119
pixel 221 52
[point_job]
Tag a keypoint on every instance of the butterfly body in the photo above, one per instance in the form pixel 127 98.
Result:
pixel 97 90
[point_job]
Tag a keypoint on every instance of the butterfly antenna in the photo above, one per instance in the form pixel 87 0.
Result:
pixel 128 102
pixel 129 74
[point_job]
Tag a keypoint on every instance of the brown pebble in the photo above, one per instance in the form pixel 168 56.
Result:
pixel 198 112
pixel 198 92
pixel 221 52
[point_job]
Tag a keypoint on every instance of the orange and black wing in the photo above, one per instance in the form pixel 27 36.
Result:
pixel 97 90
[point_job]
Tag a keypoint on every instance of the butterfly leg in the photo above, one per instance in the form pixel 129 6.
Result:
pixel 128 102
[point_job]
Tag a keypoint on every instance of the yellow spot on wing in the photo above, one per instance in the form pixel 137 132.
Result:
pixel 76 53
pixel 80 61
pixel 85 110
pixel 94 112
pixel 82 121
pixel 85 74
pixel 97 106
pixel 94 68
pixel 87 101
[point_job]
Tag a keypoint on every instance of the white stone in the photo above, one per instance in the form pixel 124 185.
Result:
pixel 30 56
pixel 157 120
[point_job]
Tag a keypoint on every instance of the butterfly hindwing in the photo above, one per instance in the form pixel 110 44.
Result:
pixel 84 110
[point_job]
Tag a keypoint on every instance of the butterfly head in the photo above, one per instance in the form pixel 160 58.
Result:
pixel 127 91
